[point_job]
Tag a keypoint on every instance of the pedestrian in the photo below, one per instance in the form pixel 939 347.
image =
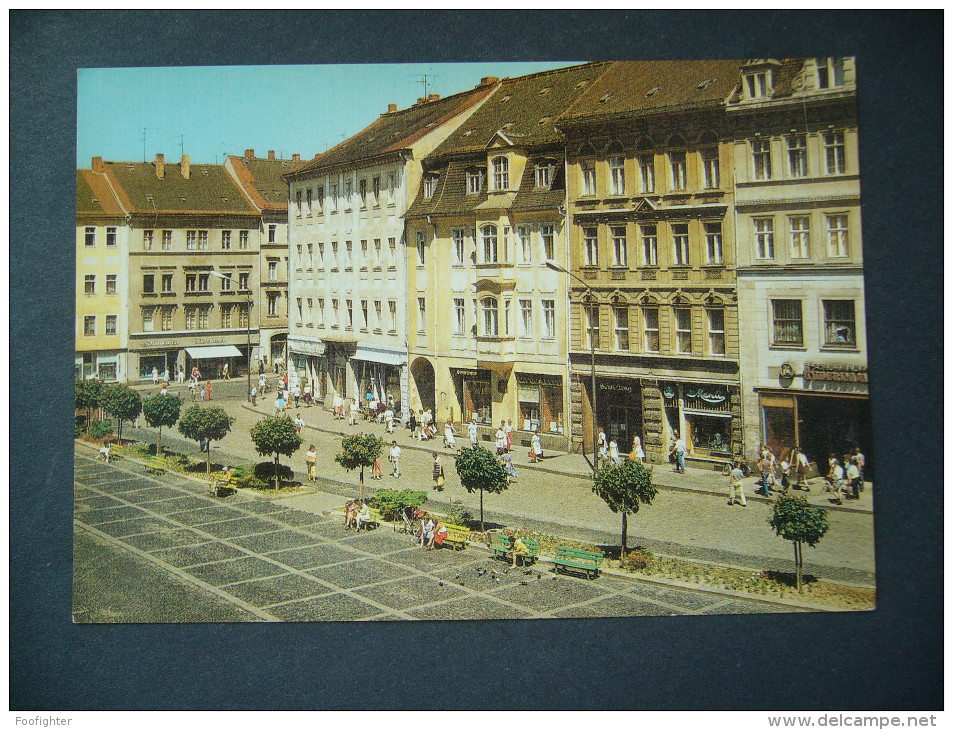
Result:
pixel 437 473
pixel 501 439
pixel 427 529
pixel 311 461
pixel 389 420
pixel 378 469
pixel 449 435
pixel 508 430
pixel 472 433
pixel 508 468
pixel 262 383
pixel 614 452
pixel 296 392
pixel 440 532
pixel 180 375
pixel 164 390
pixel 412 424
pixel 861 462
pixel 155 376
pixel 279 404
pixel 786 477
pixel 736 489
pixel 254 396
pixel 363 514
pixel 338 404
pixel 767 475
pixel 602 446
pixel 680 449
pixel 193 386
pixel 394 457
pixel 307 395
pixel 298 422
pixel 537 447
pixel 638 453
pixel 853 479
pixel 208 390
pixel 225 371
pixel 801 467
pixel 261 367
pixel 219 368
pixel 104 451
pixel 352 411
pixel 835 480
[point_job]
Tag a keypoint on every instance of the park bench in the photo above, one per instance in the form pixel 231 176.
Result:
pixel 501 549
pixel 375 521
pixel 585 561
pixel 220 485
pixel 457 537
pixel 156 464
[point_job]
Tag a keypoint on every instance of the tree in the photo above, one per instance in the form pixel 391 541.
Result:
pixel 479 469
pixel 122 402
pixel 625 487
pixel 161 410
pixel 359 451
pixel 88 394
pixel 277 436
pixel 794 519
pixel 209 424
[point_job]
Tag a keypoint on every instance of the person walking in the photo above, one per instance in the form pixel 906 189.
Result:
pixel 394 457
pixel 500 439
pixel 602 447
pixel 767 475
pixel 614 452
pixel 508 468
pixel 225 371
pixel 437 473
pixel 861 462
pixel 296 392
pixel 472 433
pixel 801 466
pixel 352 412
pixel 449 435
pixel 508 430
pixel 180 375
pixel 193 386
pixel 254 396
pixel 208 390
pixel 155 376
pixel 680 449
pixel 853 479
pixel 377 471
pixel 311 461
pixel 298 422
pixel 389 420
pixel 736 489
pixel 638 453
pixel 537 447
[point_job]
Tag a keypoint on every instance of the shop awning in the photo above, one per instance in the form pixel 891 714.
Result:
pixel 376 356
pixel 209 353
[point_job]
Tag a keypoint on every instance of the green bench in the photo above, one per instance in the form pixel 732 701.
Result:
pixel 218 485
pixel 501 549
pixel 586 561
pixel 156 464
pixel 457 537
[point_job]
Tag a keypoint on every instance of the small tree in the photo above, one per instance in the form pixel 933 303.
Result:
pixel 210 424
pixel 122 402
pixel 794 519
pixel 89 394
pixel 161 410
pixel 277 436
pixel 479 469
pixel 625 487
pixel 359 451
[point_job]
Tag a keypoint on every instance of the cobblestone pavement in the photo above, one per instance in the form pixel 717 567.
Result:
pixel 155 548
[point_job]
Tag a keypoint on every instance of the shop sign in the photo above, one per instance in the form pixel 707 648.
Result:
pixel 669 392
pixel 616 387
pixel 470 374
pixel 161 343
pixel 836 373
pixel 530 379
pixel 211 341
pixel 714 396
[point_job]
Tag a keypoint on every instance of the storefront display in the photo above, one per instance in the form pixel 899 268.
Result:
pixel 619 405
pixel 701 414
pixel 540 402
pixel 474 394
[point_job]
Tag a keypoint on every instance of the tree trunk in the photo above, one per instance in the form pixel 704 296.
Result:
pixel 208 457
pixel 362 482
pixel 797 563
pixel 482 527
pixel 159 442
pixel 277 473
pixel 625 534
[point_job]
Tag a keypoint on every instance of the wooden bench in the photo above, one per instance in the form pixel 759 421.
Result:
pixel 374 522
pixel 218 485
pixel 502 549
pixel 585 561
pixel 457 537
pixel 156 464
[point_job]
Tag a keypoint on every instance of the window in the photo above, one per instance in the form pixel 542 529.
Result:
pixel 392 248
pixel 334 198
pixel 190 318
pixel 226 240
pixel 310 318
pixel 348 193
pixel 309 199
pixel 364 314
pixel 788 330
pixel 191 237
pixel 592 325
pixel 379 318
pixel 227 315
pixel 797 156
pixel 649 245
pixel 167 318
pixel 761 154
pixel 336 321
pixel 549 319
pixel 758 85
pixel 203 318
pixel 243 281
pixel 243 240
pixel 764 238
pixel 506 316
pixel 377 253
pixel 320 313
pixel 272 232
pixel 430 186
pixel 148 283
pixel 458 234
pixel 501 173
pixel 680 241
pixel 167 283
pixel 298 202
pixel 89 284
pixel 474 182
pixel 166 240
pixel 622 329
pixel 89 325
pixel 523 236
pixel 90 236
pixel 710 168
pixel 391 186
pixel 526 318
pixel 460 321
pixel 543 172
pixel 683 331
pixel 548 235
pixel 835 153
pixel 837 236
pixel 376 184
pixel 713 248
pixel 591 246
pixel 678 170
pixel 273 298
pixel 202 282
pixel 647 174
pixel 348 255
pixel 716 331
pixel 320 255
pixel 491 317
pixel 421 314
pixel 421 249
pixel 110 237
pixel 203 240
pixel 147 319
pixel 242 315
pixel 349 306
pixel 363 254
pixel 619 256
pixel 650 326
pixel 830 72
pixel 800 237
pixel 488 236
pixel 588 170
pixel 334 255
pixel 839 326
pixel 272 270
pixel 111 282
pixel 298 257
pixel 320 199
pixel 617 175
pixel 362 191
pixel 147 240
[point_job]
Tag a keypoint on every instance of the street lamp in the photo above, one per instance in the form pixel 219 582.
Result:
pixel 550 264
pixel 228 278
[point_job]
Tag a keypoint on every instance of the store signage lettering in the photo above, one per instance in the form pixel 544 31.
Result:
pixel 615 388
pixel 215 341
pixel 161 343
pixel 714 396
pixel 836 373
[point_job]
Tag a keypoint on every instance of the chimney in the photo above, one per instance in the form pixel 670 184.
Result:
pixel 160 166
pixel 186 166
pixel 296 157
pixel 487 80
pixel 391 108
pixel 433 97
pixel 271 154
pixel 98 166
pixel 249 154
pixel 421 99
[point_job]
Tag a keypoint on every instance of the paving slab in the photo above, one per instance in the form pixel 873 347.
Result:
pixel 334 607
pixel 313 555
pixel 477 608
pixel 135 527
pixel 410 592
pixel 615 605
pixel 162 539
pixel 234 571
pixel 279 539
pixel 279 589
pixel 359 573
pixel 241 527
pixel 198 554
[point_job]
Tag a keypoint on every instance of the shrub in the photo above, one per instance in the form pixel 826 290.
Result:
pixel 78 427
pixel 391 502
pixel 638 559
pixel 458 514
pixel 265 471
pixel 101 429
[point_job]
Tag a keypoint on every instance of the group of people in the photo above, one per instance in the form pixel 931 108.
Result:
pixel 432 531
pixel 845 478
pixel 356 514
pixel 608 450
pixel 393 456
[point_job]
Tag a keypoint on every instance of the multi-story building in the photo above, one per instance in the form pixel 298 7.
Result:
pixel 102 260
pixel 800 263
pixel 348 334
pixel 262 180
pixel 653 298
pixel 486 334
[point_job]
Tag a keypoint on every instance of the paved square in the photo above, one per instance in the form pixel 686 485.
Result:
pixel 410 592
pixel 234 571
pixel 360 573
pixel 209 552
pixel 334 607
pixel 150 494
pixel 176 504
pixel 280 589
pixel 469 608
pixel 206 515
pixel 314 555
pixel 111 514
pixel 277 540
pixel 238 528
pixel 165 538
pixel 135 527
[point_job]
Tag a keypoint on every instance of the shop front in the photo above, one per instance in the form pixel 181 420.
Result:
pixel 211 361
pixel 540 400
pixel 474 391
pixel 619 409
pixel 163 356
pixel 379 376
pixel 102 365
pixel 704 415
pixel 309 361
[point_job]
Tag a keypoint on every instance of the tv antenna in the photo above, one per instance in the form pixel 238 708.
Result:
pixel 143 144
pixel 181 145
pixel 426 80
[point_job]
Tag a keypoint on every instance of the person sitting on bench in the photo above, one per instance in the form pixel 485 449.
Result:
pixel 517 548
pixel 363 514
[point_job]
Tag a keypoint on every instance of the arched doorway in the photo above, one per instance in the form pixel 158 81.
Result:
pixel 425 382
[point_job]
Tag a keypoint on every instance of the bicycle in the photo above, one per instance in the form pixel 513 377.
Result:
pixel 727 468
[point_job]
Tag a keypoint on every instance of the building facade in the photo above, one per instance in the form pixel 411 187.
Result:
pixel 800 259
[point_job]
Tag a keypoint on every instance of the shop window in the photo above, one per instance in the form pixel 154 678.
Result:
pixel 477 399
pixel 839 323
pixel 540 405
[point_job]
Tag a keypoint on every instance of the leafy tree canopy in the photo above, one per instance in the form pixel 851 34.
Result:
pixel 359 450
pixel 276 435
pixel 89 393
pixel 212 424
pixel 793 518
pixel 122 401
pixel 625 487
pixel 162 410
pixel 478 469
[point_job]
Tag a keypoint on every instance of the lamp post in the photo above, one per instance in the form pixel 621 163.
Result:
pixel 550 264
pixel 217 275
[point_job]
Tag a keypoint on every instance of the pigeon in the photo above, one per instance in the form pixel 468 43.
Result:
pixel 497 580
pixel 506 571
pixel 527 572
pixel 440 583
pixel 538 576
pixel 524 582
pixel 457 577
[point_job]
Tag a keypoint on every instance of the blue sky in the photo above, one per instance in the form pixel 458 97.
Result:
pixel 227 109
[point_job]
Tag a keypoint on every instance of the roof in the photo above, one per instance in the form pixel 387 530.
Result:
pixel 633 87
pixel 208 189
pixel 263 180
pixel 395 131
pixel 94 196
pixel 784 73
pixel 524 109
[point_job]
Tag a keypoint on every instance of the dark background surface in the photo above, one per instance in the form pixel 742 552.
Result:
pixel 889 659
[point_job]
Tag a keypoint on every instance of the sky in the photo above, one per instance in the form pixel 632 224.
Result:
pixel 210 111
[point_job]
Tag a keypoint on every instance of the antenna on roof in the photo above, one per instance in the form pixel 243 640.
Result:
pixel 181 145
pixel 422 79
pixel 143 144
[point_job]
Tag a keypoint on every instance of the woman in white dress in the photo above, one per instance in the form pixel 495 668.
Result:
pixel 637 451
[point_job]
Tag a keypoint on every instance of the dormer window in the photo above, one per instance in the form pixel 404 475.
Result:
pixel 830 72
pixel 758 84
pixel 544 174
pixel 474 181
pixel 501 173
pixel 430 186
